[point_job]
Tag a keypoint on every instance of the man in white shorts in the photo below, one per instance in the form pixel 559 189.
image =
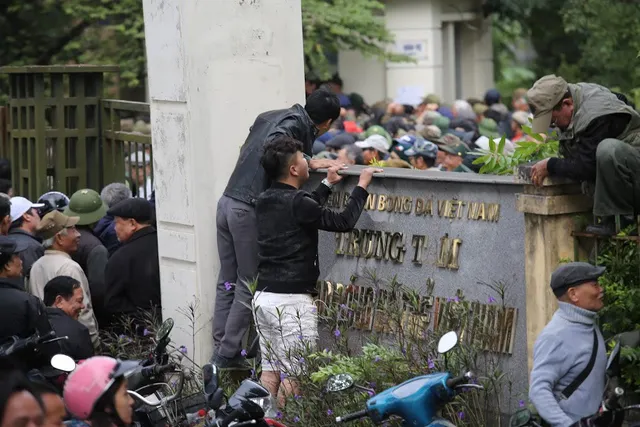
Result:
pixel 288 223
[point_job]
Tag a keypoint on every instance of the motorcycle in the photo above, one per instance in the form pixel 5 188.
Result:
pixel 29 354
pixel 148 384
pixel 417 400
pixel 250 405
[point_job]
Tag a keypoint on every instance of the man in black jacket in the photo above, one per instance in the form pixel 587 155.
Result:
pixel 599 141
pixel 24 222
pixel 236 220
pixel 21 314
pixel 132 276
pixel 288 224
pixel 64 299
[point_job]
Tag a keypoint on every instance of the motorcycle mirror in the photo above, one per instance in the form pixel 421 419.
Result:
pixel 164 330
pixel 447 342
pixel 339 382
pixel 210 378
pixel 62 362
pixel 613 356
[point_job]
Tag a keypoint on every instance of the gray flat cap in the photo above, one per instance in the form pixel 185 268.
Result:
pixel 572 274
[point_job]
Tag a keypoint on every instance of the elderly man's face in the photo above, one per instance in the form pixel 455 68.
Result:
pixel 588 296
pixel 562 116
pixel 125 227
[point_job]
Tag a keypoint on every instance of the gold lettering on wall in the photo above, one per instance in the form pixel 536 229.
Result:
pixel 449 253
pixel 382 199
pixel 418 242
pixel 371 202
pixel 397 248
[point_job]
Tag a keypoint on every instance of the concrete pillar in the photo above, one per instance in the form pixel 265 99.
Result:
pixel 549 215
pixel 213 66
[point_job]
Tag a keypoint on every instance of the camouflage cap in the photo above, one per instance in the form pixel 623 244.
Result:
pixel 450 140
pixel 431 133
pixel 545 94
pixel 423 147
pixel 53 223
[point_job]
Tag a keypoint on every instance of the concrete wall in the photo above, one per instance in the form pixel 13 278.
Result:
pixel 491 251
pixel 427 22
pixel 213 67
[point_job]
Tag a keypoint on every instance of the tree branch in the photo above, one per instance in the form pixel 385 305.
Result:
pixel 76 31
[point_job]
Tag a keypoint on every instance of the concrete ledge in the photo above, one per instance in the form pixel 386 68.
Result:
pixel 553 205
pixel 418 175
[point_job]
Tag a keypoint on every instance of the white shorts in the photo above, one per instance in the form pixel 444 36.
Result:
pixel 288 328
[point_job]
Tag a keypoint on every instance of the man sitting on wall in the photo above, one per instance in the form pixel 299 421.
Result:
pixel 570 356
pixel 599 141
pixel 288 223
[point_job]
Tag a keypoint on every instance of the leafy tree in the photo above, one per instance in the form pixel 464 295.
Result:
pixel 42 32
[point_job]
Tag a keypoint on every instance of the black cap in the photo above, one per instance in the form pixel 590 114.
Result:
pixel 134 208
pixel 574 274
pixel 8 246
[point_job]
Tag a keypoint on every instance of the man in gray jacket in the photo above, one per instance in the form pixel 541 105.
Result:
pixel 565 348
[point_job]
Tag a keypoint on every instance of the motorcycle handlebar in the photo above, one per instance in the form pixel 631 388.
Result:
pixel 22 343
pixel 151 371
pixel 352 417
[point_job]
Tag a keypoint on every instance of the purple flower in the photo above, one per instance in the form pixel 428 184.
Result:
pixel 431 364
pixel 183 349
pixel 296 419
pixel 297 397
pixel 282 376
pixel 145 332
pixel 300 337
pixel 372 385
pixel 253 372
pixel 228 286
pixel 456 299
pixel 314 310
pixel 337 333
pixel 329 412
pixel 521 403
pixel 461 415
pixel 371 393
pixel 491 299
pixel 449 299
pixel 301 360
pixel 377 359
pixel 122 337
pixel 343 306
pixel 243 353
pixel 279 415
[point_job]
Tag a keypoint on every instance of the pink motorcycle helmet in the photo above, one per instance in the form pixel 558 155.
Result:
pixel 90 381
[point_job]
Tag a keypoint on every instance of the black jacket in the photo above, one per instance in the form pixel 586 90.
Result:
pixel 92 257
pixel 21 314
pixel 288 223
pixel 249 179
pixel 133 275
pixel 579 161
pixel 33 252
pixel 78 346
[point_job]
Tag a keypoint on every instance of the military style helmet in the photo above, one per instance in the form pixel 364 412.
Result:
pixel 53 201
pixel 87 205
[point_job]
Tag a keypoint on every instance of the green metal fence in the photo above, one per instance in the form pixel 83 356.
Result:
pixel 126 152
pixel 54 127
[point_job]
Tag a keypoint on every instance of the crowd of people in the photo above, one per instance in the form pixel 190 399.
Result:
pixel 429 136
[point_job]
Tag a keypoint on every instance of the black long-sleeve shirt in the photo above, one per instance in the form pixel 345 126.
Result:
pixel 579 160
pixel 288 224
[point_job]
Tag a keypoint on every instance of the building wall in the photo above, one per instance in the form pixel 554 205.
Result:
pixel 426 22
